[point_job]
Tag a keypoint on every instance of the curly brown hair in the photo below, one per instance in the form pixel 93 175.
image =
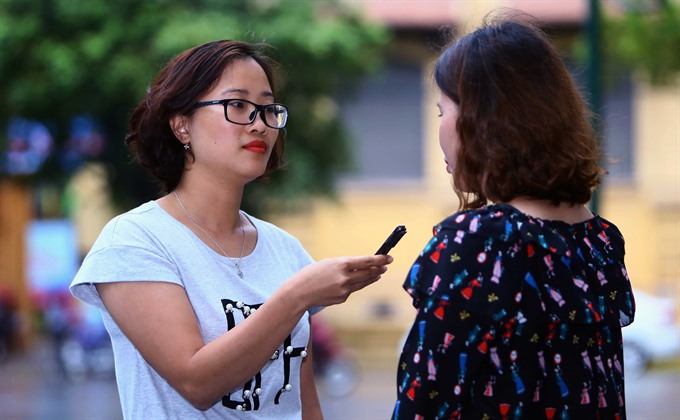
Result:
pixel 174 91
pixel 523 126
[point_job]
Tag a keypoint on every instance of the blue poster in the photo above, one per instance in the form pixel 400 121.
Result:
pixel 51 255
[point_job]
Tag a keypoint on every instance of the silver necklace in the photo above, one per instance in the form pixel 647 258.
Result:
pixel 237 264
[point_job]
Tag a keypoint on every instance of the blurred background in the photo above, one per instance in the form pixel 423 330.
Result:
pixel 363 157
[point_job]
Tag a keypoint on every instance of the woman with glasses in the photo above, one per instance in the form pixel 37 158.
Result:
pixel 208 307
pixel 522 294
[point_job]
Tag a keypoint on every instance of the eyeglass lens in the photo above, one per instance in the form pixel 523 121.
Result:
pixel 244 112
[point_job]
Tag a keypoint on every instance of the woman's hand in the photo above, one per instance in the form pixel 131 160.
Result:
pixel 331 281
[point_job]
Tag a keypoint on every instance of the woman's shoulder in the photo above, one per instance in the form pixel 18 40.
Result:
pixel 271 231
pixel 505 223
pixel 488 258
pixel 264 226
pixel 148 210
pixel 146 221
pixel 496 222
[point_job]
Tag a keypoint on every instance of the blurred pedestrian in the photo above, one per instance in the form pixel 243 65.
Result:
pixel 58 322
pixel 522 294
pixel 207 306
pixel 9 322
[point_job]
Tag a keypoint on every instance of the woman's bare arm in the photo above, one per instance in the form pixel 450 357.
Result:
pixel 311 407
pixel 158 319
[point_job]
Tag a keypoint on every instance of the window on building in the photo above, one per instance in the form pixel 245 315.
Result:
pixel 617 133
pixel 384 119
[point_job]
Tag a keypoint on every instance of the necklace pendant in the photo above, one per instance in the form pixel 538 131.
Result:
pixel 243 232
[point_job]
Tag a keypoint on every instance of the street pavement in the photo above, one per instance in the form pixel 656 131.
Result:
pixel 30 389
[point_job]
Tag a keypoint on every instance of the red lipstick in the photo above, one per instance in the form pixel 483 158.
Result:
pixel 256 146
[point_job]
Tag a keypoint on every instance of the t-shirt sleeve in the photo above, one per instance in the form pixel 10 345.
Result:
pixel 124 251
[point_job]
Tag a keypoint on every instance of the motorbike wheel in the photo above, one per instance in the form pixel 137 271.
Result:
pixel 635 360
pixel 340 378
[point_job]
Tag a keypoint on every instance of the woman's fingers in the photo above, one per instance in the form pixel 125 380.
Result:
pixel 363 277
pixel 369 261
pixel 353 264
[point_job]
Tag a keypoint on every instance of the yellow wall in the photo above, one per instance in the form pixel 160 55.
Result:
pixel 625 207
pixel 657 130
pixel 648 210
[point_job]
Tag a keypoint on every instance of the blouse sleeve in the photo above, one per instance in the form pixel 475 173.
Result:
pixel 464 291
pixel 468 270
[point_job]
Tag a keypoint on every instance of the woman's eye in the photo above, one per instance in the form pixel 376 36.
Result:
pixel 237 104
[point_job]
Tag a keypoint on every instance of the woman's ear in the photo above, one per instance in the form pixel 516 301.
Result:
pixel 178 125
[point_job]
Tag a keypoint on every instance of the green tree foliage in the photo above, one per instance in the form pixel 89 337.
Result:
pixel 645 38
pixel 62 58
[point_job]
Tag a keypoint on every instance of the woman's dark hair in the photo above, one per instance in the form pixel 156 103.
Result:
pixel 524 128
pixel 176 89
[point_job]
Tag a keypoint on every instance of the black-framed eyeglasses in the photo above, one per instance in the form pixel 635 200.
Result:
pixel 243 112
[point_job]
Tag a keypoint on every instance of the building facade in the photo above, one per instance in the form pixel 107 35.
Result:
pixel 400 176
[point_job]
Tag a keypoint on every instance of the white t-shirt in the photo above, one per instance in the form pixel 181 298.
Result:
pixel 147 244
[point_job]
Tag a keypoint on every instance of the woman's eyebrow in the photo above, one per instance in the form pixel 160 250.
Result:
pixel 244 92
pixel 234 90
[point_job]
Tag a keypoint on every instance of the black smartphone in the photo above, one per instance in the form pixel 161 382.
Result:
pixel 392 240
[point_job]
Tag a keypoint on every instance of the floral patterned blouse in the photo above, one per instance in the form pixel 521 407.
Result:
pixel 518 318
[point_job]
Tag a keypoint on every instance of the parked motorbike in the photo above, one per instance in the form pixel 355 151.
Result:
pixel 335 368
